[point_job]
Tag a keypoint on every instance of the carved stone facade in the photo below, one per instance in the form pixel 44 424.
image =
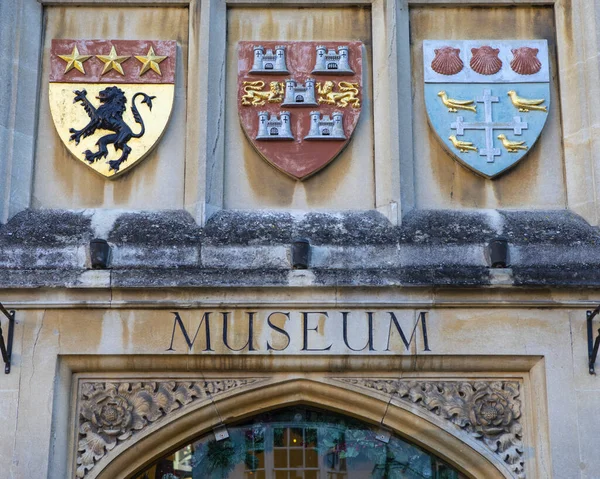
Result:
pixel 394 225
pixel 490 411
pixel 112 412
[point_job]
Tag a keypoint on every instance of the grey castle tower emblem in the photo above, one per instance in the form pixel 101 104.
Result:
pixel 274 128
pixel 298 94
pixel 294 123
pixel 326 128
pixel 269 62
pixel 330 61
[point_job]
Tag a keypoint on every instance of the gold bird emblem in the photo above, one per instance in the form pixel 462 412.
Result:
pixel 455 105
pixel 525 105
pixel 463 146
pixel 512 146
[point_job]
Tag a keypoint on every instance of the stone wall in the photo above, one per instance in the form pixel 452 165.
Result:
pixel 202 231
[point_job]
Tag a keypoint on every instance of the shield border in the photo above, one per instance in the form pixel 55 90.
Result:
pixel 245 65
pixel 505 76
pixel 66 114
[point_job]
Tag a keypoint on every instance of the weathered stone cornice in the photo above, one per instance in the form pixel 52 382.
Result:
pixel 49 248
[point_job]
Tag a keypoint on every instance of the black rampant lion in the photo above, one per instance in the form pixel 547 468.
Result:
pixel 109 116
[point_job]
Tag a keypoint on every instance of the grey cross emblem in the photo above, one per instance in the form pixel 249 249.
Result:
pixel 488 125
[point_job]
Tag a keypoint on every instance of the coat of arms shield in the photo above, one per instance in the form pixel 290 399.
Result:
pixel 299 102
pixel 487 100
pixel 111 99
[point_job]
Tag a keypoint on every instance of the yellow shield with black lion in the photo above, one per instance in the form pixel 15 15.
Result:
pixel 111 99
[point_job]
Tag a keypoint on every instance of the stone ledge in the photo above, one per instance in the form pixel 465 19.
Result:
pixel 560 276
pixel 396 256
pixel 37 278
pixel 195 277
pixel 447 275
pixel 157 228
pixel 348 228
pixel 246 257
pixel 247 249
pixel 451 276
pixel 170 256
pixel 46 228
pixel 231 227
pixel 218 278
pixel 42 257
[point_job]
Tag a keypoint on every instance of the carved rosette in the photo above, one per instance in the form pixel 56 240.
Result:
pixel 112 412
pixel 490 411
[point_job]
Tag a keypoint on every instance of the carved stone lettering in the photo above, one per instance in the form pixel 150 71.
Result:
pixel 299 332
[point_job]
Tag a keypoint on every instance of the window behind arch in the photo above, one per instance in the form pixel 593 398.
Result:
pixel 300 443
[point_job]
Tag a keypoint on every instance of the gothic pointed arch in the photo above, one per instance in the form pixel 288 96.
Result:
pixel 180 417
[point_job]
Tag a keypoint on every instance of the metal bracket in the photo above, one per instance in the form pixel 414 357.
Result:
pixel 6 349
pixel 593 345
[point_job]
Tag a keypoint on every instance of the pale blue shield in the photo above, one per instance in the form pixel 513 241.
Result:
pixel 487 105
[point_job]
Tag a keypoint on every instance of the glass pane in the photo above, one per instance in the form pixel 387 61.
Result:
pixel 296 438
pixel 312 458
pixel 260 455
pixel 297 458
pixel 280 458
pixel 310 437
pixel 300 443
pixel 280 437
pixel 445 472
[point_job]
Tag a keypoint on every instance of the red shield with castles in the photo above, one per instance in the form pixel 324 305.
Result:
pixel 299 102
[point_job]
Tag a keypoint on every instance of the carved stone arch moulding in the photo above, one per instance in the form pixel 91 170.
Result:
pixel 113 415
pixel 112 412
pixel 488 411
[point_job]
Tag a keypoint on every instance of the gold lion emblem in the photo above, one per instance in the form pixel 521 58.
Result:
pixel 255 96
pixel 348 94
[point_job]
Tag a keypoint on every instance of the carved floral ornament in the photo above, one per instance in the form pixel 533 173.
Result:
pixel 113 412
pixel 489 411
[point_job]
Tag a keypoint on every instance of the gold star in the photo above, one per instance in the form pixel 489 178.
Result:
pixel 113 61
pixel 150 61
pixel 75 60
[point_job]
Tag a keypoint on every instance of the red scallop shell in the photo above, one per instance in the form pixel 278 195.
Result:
pixel 485 60
pixel 525 61
pixel 447 61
